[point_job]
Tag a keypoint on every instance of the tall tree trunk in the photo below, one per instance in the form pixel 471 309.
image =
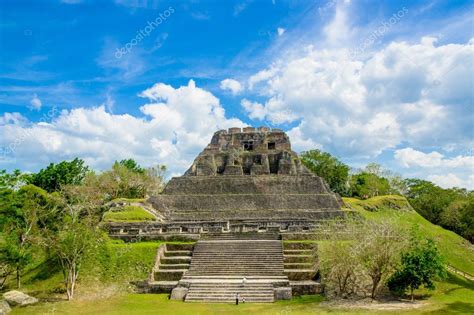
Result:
pixel 412 296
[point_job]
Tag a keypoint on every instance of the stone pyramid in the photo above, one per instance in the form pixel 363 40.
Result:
pixel 246 180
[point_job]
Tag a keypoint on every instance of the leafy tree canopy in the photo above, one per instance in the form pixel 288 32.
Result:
pixel 132 165
pixel 328 167
pixel 421 264
pixel 63 173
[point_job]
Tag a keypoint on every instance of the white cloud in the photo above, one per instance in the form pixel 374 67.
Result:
pixel 409 157
pixel 260 76
pixel 255 110
pixel 457 171
pixel 177 124
pixel 35 103
pixel 109 103
pixel 338 31
pixel 12 119
pixel 450 180
pixel 232 85
pixel 280 31
pixel 416 94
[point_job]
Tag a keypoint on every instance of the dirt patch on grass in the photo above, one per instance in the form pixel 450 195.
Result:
pixel 376 305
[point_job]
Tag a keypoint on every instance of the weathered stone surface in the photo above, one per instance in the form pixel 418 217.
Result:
pixel 258 151
pixel 306 287
pixel 282 293
pixel 4 307
pixel 15 298
pixel 179 293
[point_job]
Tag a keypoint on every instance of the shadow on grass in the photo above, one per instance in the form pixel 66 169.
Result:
pixel 456 308
pixel 45 270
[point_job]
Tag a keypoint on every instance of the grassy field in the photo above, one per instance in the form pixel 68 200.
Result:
pixel 454 296
pixel 128 214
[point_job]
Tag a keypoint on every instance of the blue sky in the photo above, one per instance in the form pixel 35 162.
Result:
pixel 383 81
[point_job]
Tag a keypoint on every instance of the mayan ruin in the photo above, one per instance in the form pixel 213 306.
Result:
pixel 244 193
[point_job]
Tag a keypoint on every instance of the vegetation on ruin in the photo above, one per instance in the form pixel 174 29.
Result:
pixel 128 214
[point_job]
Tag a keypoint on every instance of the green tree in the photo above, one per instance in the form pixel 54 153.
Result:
pixel 366 185
pixel 428 199
pixel 132 165
pixel 21 213
pixel 71 244
pixel 328 167
pixel 64 173
pixel 420 266
pixel 121 182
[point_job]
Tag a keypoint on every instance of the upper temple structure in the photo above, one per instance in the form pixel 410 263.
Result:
pixel 251 151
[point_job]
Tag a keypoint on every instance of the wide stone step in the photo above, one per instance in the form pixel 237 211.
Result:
pixel 169 275
pixel 178 253
pixel 175 260
pixel 227 300
pixel 173 266
pixel 298 251
pixel 300 245
pixel 298 265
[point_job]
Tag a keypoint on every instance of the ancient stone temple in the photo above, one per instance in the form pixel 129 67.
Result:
pixel 244 193
pixel 246 180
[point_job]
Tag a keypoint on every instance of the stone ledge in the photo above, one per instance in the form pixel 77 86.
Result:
pixel 282 293
pixel 306 287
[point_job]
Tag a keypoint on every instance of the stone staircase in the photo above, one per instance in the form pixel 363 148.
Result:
pixel 218 267
pixel 171 263
pixel 242 258
pixel 225 292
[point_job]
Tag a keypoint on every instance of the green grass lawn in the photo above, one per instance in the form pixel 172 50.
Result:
pixel 456 250
pixel 128 214
pixel 454 296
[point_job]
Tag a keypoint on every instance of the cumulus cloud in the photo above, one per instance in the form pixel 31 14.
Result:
pixel 450 180
pixel 176 124
pixel 12 119
pixel 35 103
pixel 414 94
pixel 410 157
pixel 231 85
pixel 445 171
